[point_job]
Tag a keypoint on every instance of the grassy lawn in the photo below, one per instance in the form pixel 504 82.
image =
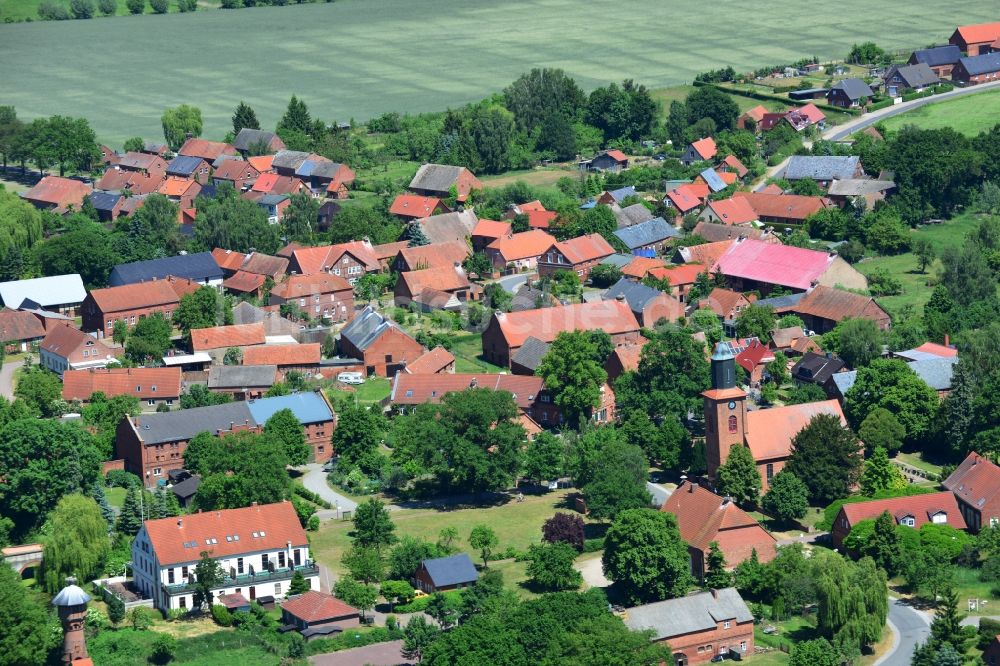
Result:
pixel 116 497
pixel 468 351
pixel 969 115
pixel 967 586
pixel 541 177
pixel 904 267
pixel 380 66
pixel 516 524
pixel 917 460
pixel 373 390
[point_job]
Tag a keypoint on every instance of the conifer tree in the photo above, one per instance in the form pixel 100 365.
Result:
pixel 130 519
pixel 296 118
pixel 245 116
pixel 717 577
pixel 97 492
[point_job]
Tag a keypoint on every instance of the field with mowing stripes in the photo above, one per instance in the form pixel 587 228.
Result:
pixel 969 115
pixel 353 58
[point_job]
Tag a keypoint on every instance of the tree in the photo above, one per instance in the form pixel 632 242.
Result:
pixel 77 544
pixel 826 456
pixel 605 275
pixel 406 556
pixel 85 249
pixel 710 102
pixel 41 390
pixel 199 309
pixel 787 498
pixel 208 576
pixel 739 477
pixel 131 517
pixel 119 332
pixel 611 473
pixel 116 609
pixel 198 395
pixel 372 525
pixel 159 6
pixel 164 646
pixel 852 602
pixel 301 218
pixel 298 584
pixel 551 567
pixel 645 556
pixel 564 528
pixel 358 435
pixel 180 122
pixel 661 443
pixel 892 385
pixel 365 564
pixel 880 474
pixel 444 609
pixel 540 94
pixel 924 251
pixel 716 576
pixel 238 469
pixel 573 376
pixel 418 635
pixel 543 459
pixel 150 339
pixel 706 321
pixel 42 461
pixel 136 6
pixel 285 427
pixel 816 652
pixel 27 635
pixel 859 341
pixel 626 112
pixel 397 592
pixel 244 116
pixel 357 594
pixel 82 9
pixel 881 429
pixel 235 223
pixel 947 624
pixel 756 321
pixel 483 539
pixel 296 118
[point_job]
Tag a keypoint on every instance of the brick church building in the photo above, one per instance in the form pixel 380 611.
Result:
pixel 768 433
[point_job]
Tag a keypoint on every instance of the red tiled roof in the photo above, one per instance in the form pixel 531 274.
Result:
pixel 727 177
pixel 921 507
pixel 733 163
pixel 244 282
pixel 617 155
pixel 235 170
pixel 769 432
pixel 723 301
pixel 435 255
pixel 265 264
pixel 182 286
pixel 304 354
pixel 585 248
pixel 835 304
pixel 298 286
pixel 704 517
pixel 784 265
pixel 812 112
pixel 135 182
pixel 756 113
pixel 414 205
pixel 17 326
pixel 134 296
pixel 317 259
pixel 980 32
pixel 275 525
pixel 976 481
pixel 206 150
pixel 540 219
pixel 612 317
pixel 755 354
pixel 61 192
pixel 174 186
pixel 736 210
pixel 315 607
pixel 628 356
pixel 937 350
pixel 417 389
pixel 64 340
pixel 681 275
pixel 689 196
pixel 491 229
pixel 228 260
pixel 524 245
pixel 261 163
pixel 535 205
pixel 389 250
pixel 272 183
pixel 640 266
pixel 784 206
pixel 771 189
pixel 705 148
pixel 221 337
pixel 142 383
pixel 442 278
pixel 432 362
pixel 706 253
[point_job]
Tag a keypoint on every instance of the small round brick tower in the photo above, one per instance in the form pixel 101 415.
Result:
pixel 71 603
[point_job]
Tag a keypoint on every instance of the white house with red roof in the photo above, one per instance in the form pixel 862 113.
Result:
pixel 259 548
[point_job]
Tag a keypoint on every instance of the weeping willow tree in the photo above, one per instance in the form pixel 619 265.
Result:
pixel 76 543
pixel 20 228
pixel 853 602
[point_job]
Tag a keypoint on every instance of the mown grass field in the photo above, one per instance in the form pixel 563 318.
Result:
pixel 358 59
pixel 969 115
pixel 904 267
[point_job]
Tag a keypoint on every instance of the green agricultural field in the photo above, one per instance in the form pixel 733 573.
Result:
pixel 358 59
pixel 969 115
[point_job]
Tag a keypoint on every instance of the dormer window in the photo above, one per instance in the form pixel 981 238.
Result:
pixel 908 521
pixel 939 518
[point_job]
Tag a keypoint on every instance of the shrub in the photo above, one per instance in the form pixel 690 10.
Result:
pixel 222 616
pixel 82 9
pixel 164 646
pixel 313 523
pixel 159 6
pixel 140 618
pixel 136 6
pixel 53 11
pixel 565 528
pixel 593 545
pixel 230 4
pixel 108 7
pixel 119 478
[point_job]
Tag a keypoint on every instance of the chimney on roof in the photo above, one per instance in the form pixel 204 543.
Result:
pixel 180 522
pixel 715 593
pixel 253 503
pixel 620 298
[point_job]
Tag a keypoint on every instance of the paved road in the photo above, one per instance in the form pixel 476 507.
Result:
pixel 911 627
pixel 511 283
pixel 658 492
pixel 7 378
pixel 593 572
pixel 843 131
pixel 314 479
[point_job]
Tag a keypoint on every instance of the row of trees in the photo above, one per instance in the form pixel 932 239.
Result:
pixel 68 143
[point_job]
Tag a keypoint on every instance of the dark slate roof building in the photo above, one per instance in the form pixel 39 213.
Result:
pixel 288 160
pixel 633 214
pixel 822 168
pixel 241 376
pixel 936 373
pixel 199 267
pixel 105 201
pixel 529 356
pixel 852 89
pixel 782 303
pixel 448 572
pixel 691 614
pixel 937 56
pixel 183 166
pixel 647 233
pixel 817 369
pixel 981 64
pixel 249 138
pixel 435 177
pixel 365 328
pixel 618 260
pixel 911 76
pixel 713 180
pixel 636 294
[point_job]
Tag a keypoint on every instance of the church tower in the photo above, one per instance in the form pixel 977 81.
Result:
pixel 71 603
pixel 725 410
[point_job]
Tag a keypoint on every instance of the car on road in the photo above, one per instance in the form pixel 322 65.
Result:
pixel 732 654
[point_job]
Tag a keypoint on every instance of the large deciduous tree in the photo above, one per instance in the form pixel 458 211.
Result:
pixel 373 527
pixel 787 498
pixel 27 635
pixel 739 477
pixel 645 556
pixel 573 375
pixel 892 385
pixel 234 223
pixel 178 123
pixel 551 567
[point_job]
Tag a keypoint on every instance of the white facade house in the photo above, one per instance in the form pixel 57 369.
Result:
pixel 259 549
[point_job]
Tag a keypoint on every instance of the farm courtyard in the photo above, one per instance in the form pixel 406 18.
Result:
pixel 351 59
